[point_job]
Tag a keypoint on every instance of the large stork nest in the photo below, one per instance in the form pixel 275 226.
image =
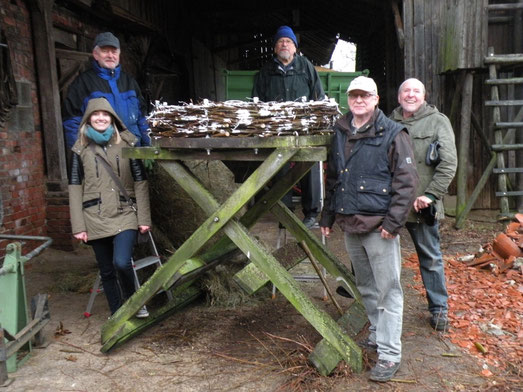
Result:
pixel 239 118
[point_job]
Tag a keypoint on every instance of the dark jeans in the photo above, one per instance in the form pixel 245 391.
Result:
pixel 310 191
pixel 113 255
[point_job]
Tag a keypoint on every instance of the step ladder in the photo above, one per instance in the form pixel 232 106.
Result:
pixel 504 129
pixel 137 265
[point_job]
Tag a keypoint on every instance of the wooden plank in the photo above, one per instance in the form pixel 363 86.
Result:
pixel 314 154
pixel 504 81
pixel 165 276
pixel 419 39
pixel 516 102
pixel 504 59
pixel 507 6
pixel 507 147
pixel 509 193
pixel 287 285
pixel 251 279
pixel 134 326
pixel 74 55
pixel 508 170
pixel 409 54
pixel 243 142
pixel 325 358
pixel 323 256
pixel 464 143
pixel 503 125
pixel 49 98
pixel 460 218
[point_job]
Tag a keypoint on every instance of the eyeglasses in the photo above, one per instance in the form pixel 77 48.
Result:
pixel 361 95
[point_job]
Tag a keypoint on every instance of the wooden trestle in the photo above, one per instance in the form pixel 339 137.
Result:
pixel 182 267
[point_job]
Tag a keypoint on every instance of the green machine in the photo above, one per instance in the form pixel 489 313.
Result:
pixel 238 85
pixel 17 330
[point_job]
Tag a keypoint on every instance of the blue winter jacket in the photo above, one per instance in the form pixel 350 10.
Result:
pixel 119 88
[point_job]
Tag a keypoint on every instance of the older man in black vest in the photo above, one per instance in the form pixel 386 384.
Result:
pixel 371 184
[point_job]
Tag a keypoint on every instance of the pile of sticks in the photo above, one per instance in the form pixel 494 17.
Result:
pixel 239 118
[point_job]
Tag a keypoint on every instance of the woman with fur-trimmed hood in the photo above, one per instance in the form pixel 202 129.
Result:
pixel 100 214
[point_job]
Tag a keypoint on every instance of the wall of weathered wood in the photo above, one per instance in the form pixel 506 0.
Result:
pixel 443 40
pixel 443 36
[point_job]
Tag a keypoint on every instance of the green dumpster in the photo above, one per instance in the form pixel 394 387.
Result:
pixel 238 84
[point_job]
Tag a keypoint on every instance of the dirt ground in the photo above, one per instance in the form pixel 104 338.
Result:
pixel 258 346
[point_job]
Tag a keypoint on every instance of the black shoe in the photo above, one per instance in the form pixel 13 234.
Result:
pixel 384 370
pixel 309 221
pixel 367 344
pixel 344 293
pixel 439 322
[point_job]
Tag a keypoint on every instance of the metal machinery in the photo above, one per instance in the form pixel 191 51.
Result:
pixel 18 331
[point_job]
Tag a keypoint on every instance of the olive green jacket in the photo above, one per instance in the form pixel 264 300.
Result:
pixel 96 204
pixel 426 126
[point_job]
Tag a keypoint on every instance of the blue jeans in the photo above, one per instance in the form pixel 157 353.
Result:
pixel 377 267
pixel 113 255
pixel 426 241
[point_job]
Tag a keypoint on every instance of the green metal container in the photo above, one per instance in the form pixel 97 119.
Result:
pixel 238 84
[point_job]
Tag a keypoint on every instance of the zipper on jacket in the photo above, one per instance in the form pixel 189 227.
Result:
pixel 96 167
pixel 99 203
pixel 118 164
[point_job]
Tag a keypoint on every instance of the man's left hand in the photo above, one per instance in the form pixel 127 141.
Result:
pixel 421 202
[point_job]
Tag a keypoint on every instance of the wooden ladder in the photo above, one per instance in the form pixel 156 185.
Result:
pixel 504 131
pixel 502 142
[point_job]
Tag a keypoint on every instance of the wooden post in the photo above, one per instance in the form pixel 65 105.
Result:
pixel 464 143
pixel 49 99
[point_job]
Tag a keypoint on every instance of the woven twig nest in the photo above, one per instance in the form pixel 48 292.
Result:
pixel 239 118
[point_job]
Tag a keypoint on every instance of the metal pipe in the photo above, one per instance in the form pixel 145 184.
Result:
pixel 34 252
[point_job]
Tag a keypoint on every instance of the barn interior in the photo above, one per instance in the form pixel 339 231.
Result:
pixel 178 50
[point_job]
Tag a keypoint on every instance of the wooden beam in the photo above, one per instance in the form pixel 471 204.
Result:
pixel 303 155
pixel 504 7
pixel 504 81
pixel 49 98
pixel 398 23
pixel 504 59
pixel 497 102
pixel 464 143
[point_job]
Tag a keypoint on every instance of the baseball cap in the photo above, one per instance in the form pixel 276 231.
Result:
pixel 106 39
pixel 363 83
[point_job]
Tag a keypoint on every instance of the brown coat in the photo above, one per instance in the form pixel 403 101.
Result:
pixel 96 203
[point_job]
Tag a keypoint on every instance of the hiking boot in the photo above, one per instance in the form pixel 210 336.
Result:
pixel 384 370
pixel 439 322
pixel 368 344
pixel 309 221
pixel 142 313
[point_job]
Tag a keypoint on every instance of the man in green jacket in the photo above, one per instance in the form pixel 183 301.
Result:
pixel 436 160
pixel 289 77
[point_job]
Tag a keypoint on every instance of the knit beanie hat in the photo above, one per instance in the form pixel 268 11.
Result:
pixel 285 31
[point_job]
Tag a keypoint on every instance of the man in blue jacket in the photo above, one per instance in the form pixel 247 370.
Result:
pixel 106 79
pixel 289 77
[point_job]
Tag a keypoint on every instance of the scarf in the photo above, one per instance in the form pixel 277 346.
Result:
pixel 100 138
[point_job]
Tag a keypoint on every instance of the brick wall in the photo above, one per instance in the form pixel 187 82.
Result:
pixel 23 193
